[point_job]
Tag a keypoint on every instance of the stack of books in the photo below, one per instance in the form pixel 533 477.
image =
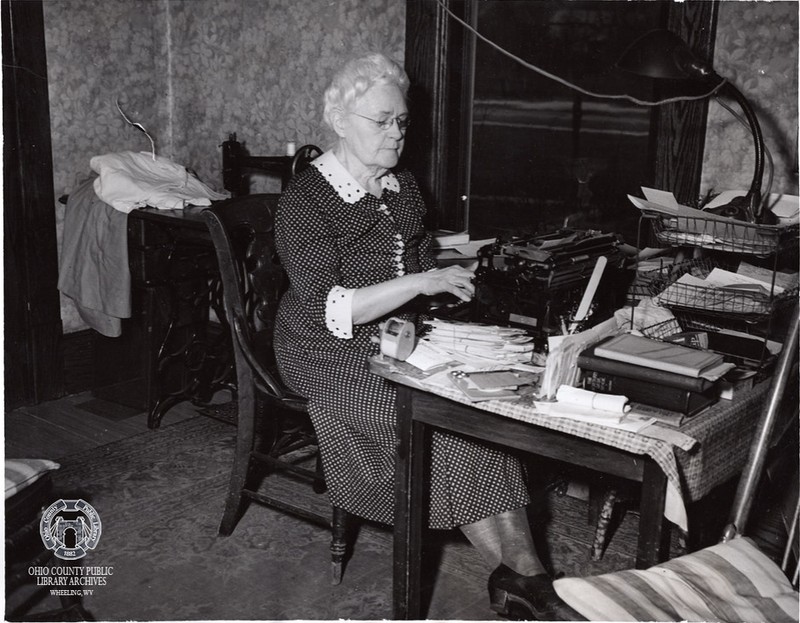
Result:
pixel 648 371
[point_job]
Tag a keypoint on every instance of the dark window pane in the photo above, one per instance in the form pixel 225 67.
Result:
pixel 543 153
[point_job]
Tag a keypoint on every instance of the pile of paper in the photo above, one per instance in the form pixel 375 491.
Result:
pixel 680 225
pixel 725 291
pixel 470 342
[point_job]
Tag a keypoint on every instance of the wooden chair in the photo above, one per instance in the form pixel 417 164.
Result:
pixel 238 165
pixel 273 429
pixel 731 581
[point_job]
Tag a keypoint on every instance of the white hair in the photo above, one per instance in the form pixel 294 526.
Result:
pixel 357 77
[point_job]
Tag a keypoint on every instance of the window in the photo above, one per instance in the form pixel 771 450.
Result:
pixel 508 151
pixel 543 154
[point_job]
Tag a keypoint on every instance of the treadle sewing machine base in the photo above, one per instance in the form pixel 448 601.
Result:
pixel 169 350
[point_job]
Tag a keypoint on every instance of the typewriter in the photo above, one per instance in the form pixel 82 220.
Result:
pixel 537 283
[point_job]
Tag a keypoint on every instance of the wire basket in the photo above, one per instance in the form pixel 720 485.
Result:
pixel 747 305
pixel 640 288
pixel 663 329
pixel 641 285
pixel 723 234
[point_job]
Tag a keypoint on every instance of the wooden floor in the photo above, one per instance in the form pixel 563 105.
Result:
pixel 75 423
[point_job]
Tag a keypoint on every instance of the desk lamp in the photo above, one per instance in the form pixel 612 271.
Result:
pixel 663 55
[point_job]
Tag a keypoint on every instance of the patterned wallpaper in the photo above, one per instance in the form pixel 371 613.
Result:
pixel 756 49
pixel 194 71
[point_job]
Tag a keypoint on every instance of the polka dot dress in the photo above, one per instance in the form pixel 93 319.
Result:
pixel 334 237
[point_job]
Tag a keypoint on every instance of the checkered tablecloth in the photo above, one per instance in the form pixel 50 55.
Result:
pixel 725 433
pixel 712 447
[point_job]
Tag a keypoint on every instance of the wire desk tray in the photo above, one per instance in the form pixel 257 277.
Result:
pixel 744 305
pixel 722 234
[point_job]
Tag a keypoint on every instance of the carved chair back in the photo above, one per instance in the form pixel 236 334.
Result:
pixel 253 280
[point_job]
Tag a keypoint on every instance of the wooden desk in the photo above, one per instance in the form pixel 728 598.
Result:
pixel 420 410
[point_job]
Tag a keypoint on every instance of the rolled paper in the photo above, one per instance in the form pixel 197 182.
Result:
pixel 592 400
pixel 398 338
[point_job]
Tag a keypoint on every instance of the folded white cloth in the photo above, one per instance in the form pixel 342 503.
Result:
pixel 128 180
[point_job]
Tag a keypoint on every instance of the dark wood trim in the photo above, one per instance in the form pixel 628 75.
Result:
pixel 425 63
pixel 681 128
pixel 78 357
pixel 33 370
pixel 437 62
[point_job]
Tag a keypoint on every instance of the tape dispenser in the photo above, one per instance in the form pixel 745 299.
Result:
pixel 398 338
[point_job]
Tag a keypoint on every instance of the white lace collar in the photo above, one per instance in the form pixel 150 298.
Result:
pixel 345 184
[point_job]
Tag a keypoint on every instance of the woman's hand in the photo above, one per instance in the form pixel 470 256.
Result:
pixel 384 298
pixel 455 280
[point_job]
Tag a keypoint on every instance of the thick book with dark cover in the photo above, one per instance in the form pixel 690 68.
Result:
pixel 587 360
pixel 650 393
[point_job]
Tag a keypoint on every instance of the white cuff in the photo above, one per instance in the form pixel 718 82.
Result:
pixel 339 312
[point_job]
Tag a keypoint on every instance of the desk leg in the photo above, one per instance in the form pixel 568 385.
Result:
pixel 410 458
pixel 652 535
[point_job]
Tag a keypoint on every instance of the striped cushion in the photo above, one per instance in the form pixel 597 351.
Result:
pixel 22 472
pixel 732 581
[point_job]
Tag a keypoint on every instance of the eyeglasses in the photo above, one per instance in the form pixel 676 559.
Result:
pixel 403 121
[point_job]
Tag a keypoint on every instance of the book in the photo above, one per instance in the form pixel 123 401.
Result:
pixel 587 360
pixel 445 239
pixel 478 386
pixel 665 417
pixel 660 355
pixel 676 399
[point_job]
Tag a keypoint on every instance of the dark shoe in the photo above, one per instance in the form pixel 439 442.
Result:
pixel 526 597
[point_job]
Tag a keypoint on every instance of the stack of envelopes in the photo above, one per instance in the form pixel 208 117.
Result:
pixel 481 341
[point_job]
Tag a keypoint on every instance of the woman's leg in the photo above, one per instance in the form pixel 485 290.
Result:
pixel 506 538
pixel 519 586
pixel 518 549
pixel 485 537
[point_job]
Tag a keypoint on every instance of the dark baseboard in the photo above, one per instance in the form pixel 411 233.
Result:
pixel 78 360
pixel 105 366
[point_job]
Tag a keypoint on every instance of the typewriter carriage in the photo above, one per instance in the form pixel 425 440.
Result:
pixel 537 283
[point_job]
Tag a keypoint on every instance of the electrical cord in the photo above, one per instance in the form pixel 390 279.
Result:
pixel 765 194
pixel 571 85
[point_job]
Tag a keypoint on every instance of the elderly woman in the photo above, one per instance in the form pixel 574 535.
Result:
pixel 350 234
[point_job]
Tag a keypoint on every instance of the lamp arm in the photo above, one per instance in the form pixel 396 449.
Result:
pixel 753 196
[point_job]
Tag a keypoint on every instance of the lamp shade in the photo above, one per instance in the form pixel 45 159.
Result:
pixel 662 54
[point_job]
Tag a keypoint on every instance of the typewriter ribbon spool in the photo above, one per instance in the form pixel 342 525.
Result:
pixel 398 338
